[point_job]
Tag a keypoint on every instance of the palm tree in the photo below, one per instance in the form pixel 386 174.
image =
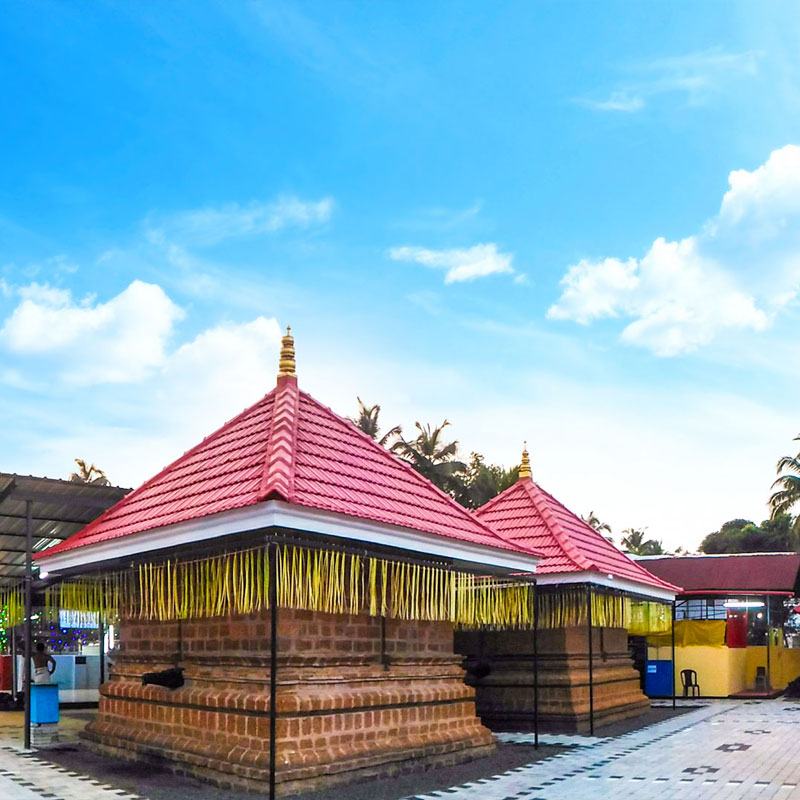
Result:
pixel 367 421
pixel 432 457
pixel 593 522
pixel 634 542
pixel 89 474
pixel 787 496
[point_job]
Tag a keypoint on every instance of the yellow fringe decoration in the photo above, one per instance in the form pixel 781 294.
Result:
pixel 316 580
pixel 567 608
pixel 335 583
pixel 12 607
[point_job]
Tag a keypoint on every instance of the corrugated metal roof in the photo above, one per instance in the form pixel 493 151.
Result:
pixel 58 509
pixel 735 572
pixel 289 447
pixel 531 517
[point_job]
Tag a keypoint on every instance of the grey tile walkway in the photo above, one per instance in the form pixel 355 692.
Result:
pixel 26 776
pixel 728 750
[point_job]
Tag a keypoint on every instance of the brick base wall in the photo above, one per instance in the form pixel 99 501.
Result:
pixel 343 715
pixel 504 696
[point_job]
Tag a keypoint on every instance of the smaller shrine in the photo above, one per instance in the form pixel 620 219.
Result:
pixel 576 671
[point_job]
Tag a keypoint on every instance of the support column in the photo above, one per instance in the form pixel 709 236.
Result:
pixel 14 674
pixel 102 632
pixel 591 659
pixel 535 666
pixel 768 598
pixel 273 662
pixel 28 631
pixel 674 676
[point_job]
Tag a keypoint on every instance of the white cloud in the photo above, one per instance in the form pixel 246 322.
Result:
pixel 461 265
pixel 694 76
pixel 208 226
pixel 617 101
pixel 88 342
pixel 737 273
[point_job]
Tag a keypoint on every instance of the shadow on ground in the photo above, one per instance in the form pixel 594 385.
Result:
pixel 156 782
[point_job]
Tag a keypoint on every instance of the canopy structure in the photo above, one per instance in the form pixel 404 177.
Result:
pixel 57 508
pixel 36 513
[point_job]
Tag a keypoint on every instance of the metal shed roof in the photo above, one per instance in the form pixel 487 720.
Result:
pixel 58 509
pixel 732 572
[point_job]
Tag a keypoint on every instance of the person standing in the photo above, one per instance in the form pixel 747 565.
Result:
pixel 44 665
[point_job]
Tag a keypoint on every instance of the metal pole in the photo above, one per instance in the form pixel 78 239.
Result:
pixel 14 675
pixel 101 630
pixel 273 662
pixel 591 658
pixel 673 653
pixel 535 666
pixel 769 637
pixel 28 580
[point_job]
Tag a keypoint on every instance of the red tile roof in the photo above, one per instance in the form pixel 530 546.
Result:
pixel 289 447
pixel 532 518
pixel 735 572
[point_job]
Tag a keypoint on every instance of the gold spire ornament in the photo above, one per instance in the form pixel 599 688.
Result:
pixel 286 365
pixel 525 464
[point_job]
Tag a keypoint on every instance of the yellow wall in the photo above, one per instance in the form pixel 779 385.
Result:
pixel 722 671
pixel 784 664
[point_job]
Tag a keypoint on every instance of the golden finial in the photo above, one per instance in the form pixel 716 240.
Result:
pixel 286 365
pixel 525 465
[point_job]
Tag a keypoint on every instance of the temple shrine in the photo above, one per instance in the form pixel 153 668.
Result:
pixel 287 593
pixel 590 598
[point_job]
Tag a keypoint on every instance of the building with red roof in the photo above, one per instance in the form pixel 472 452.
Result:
pixel 737 622
pixel 287 592
pixel 591 596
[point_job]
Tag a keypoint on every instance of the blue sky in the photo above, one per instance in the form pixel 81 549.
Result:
pixel 575 224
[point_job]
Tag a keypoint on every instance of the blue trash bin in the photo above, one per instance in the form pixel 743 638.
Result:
pixel 658 679
pixel 44 703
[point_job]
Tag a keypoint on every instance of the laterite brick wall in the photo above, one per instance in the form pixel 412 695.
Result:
pixel 344 711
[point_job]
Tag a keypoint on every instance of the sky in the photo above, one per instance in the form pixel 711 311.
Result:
pixel 576 225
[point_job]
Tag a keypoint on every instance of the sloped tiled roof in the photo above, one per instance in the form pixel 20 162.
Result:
pixel 532 518
pixel 733 572
pixel 289 447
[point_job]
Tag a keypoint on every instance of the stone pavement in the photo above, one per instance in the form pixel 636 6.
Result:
pixel 27 775
pixel 725 750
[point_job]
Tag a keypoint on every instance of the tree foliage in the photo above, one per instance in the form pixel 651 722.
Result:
pixel 89 474
pixel 480 482
pixel 432 456
pixel 776 535
pixel 634 541
pixel 367 421
pixel 787 494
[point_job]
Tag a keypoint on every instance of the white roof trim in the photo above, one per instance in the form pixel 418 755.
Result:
pixel 275 513
pixel 605 579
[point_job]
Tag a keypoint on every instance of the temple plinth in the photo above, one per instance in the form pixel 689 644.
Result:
pixel 342 714
pixel 500 665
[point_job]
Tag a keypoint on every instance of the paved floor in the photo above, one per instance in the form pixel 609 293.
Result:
pixel 727 750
